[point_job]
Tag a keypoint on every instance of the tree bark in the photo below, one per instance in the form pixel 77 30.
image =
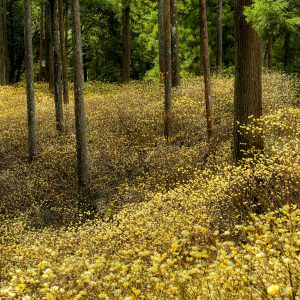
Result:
pixel 162 65
pixel 270 53
pixel 206 69
pixel 219 38
pixel 57 68
pixel 175 55
pixel 168 69
pixel 3 44
pixel 41 43
pixel 12 69
pixel 80 118
pixel 49 48
pixel 64 57
pixel 126 43
pixel 248 85
pixel 29 81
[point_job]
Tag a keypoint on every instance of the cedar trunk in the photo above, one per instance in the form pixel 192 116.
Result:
pixel 248 85
pixel 29 81
pixel 175 55
pixel 126 44
pixel 162 66
pixel 41 43
pixel 57 68
pixel 168 68
pixel 219 38
pixel 80 118
pixel 206 69
pixel 49 48
pixel 64 57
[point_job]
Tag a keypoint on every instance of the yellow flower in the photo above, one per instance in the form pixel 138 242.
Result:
pixel 273 289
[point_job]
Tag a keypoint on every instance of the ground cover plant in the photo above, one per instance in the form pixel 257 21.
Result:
pixel 174 221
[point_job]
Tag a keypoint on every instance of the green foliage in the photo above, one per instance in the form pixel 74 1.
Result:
pixel 274 16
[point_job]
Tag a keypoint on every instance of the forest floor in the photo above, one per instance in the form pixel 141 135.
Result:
pixel 172 222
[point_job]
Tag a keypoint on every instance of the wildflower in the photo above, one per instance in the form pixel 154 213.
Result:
pixel 273 289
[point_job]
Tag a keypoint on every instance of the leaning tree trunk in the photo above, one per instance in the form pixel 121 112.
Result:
pixel 29 81
pixel 168 69
pixel 248 85
pixel 206 69
pixel 126 43
pixel 64 57
pixel 219 38
pixel 174 41
pixel 57 68
pixel 80 118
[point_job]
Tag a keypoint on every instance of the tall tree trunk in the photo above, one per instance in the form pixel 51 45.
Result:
pixel 2 66
pixel 162 65
pixel 57 68
pixel 41 43
pixel 49 47
pixel 64 57
pixel 12 69
pixel 174 32
pixel 5 42
pixel 206 69
pixel 168 69
pixel 29 81
pixel 248 85
pixel 219 37
pixel 270 52
pixel 126 43
pixel 80 118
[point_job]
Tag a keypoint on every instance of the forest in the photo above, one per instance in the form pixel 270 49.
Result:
pixel 150 149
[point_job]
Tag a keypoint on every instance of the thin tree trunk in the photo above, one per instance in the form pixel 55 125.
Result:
pixel 80 118
pixel 168 68
pixel 126 44
pixel 206 69
pixel 11 43
pixel 5 42
pixel 2 66
pixel 219 37
pixel 162 65
pixel 248 85
pixel 175 55
pixel 49 47
pixel 286 48
pixel 57 68
pixel 41 43
pixel 270 53
pixel 29 81
pixel 64 57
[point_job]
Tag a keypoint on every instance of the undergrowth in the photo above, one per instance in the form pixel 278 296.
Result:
pixel 173 222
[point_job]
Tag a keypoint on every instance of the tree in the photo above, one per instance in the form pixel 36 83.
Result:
pixel 57 67
pixel 272 19
pixel 248 85
pixel 29 81
pixel 167 72
pixel 161 41
pixel 126 41
pixel 63 50
pixel 206 69
pixel 41 43
pixel 219 37
pixel 80 119
pixel 3 44
pixel 174 41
